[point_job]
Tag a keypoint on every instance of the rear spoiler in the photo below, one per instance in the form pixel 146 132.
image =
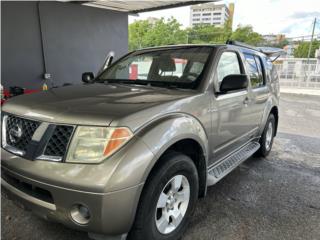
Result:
pixel 271 52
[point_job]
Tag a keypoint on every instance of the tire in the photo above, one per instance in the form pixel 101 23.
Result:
pixel 265 141
pixel 172 168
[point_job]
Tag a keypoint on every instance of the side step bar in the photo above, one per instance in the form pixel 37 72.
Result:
pixel 217 172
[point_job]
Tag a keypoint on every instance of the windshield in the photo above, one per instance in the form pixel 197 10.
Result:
pixel 181 67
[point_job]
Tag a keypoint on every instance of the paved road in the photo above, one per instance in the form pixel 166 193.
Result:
pixel 263 199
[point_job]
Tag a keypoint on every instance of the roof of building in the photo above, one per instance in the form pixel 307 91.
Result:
pixel 137 6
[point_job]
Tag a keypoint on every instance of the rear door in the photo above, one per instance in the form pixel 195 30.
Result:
pixel 259 91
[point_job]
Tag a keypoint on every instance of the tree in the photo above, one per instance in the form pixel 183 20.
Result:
pixel 137 34
pixel 246 34
pixel 204 33
pixel 302 50
pixel 167 32
pixel 162 32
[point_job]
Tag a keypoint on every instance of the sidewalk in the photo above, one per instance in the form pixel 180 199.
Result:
pixel 303 91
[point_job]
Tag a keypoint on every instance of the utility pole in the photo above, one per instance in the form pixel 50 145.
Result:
pixel 312 35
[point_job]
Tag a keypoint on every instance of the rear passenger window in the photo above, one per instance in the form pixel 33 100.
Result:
pixel 255 70
pixel 228 64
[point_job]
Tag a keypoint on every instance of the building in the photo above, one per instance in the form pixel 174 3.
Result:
pixel 212 14
pixel 274 38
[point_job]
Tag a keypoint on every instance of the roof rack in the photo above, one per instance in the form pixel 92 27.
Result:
pixel 240 44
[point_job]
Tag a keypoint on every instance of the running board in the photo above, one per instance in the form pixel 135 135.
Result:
pixel 216 173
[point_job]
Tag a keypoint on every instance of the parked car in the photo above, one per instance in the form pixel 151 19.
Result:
pixel 125 157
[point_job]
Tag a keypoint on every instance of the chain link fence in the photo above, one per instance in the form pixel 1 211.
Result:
pixel 299 73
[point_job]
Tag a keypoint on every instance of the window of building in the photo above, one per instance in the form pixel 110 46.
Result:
pixel 216 14
pixel 228 64
pixel 206 14
pixel 255 70
pixel 196 15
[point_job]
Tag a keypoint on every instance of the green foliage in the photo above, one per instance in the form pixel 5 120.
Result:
pixel 205 33
pixel 138 34
pixel 167 32
pixel 246 34
pixel 161 32
pixel 302 50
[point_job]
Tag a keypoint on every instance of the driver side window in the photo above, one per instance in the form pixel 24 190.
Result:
pixel 228 65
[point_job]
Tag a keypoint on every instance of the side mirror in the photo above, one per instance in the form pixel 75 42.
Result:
pixel 234 82
pixel 87 77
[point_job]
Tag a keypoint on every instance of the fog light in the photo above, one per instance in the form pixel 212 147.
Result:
pixel 80 214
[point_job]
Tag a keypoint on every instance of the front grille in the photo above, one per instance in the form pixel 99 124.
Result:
pixel 24 130
pixel 59 141
pixel 18 133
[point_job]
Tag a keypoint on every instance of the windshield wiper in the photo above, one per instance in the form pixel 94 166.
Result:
pixel 161 84
pixel 125 81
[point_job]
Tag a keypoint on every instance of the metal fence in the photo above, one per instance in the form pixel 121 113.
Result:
pixel 299 73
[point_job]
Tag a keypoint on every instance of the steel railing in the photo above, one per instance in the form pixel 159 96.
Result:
pixel 299 73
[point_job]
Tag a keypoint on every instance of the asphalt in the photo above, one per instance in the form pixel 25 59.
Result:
pixel 263 199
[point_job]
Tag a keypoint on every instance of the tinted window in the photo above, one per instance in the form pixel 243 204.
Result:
pixel 255 71
pixel 181 66
pixel 228 64
pixel 260 68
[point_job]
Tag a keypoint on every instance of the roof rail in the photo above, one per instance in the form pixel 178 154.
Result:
pixel 240 44
pixel 270 52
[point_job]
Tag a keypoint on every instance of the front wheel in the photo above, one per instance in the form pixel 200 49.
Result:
pixel 167 201
pixel 267 136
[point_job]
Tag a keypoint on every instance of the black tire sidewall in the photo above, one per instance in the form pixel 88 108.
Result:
pixel 263 150
pixel 173 164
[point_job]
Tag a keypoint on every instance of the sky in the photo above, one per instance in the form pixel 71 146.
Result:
pixel 291 17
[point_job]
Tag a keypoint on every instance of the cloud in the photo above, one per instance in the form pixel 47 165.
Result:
pixel 303 15
pixel 288 29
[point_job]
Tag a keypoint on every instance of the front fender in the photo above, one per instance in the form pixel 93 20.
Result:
pixel 162 133
pixel 137 158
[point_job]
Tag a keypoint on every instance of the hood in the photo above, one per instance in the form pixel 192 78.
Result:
pixel 94 104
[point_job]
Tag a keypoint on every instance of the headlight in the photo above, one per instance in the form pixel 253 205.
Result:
pixel 94 144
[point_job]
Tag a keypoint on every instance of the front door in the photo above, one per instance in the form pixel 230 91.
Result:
pixel 232 123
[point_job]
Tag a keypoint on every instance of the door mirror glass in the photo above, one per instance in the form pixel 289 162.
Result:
pixel 87 77
pixel 234 82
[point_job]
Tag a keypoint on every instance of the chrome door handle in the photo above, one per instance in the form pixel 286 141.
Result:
pixel 246 101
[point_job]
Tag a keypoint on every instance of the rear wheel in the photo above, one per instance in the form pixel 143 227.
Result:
pixel 266 140
pixel 167 201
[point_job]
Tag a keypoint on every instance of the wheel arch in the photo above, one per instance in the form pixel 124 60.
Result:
pixel 271 107
pixel 194 151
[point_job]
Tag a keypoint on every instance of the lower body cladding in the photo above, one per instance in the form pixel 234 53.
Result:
pixel 102 215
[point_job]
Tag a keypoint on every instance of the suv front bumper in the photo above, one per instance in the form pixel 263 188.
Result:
pixel 30 183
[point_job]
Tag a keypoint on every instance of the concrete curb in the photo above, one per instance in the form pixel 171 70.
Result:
pixel 300 91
